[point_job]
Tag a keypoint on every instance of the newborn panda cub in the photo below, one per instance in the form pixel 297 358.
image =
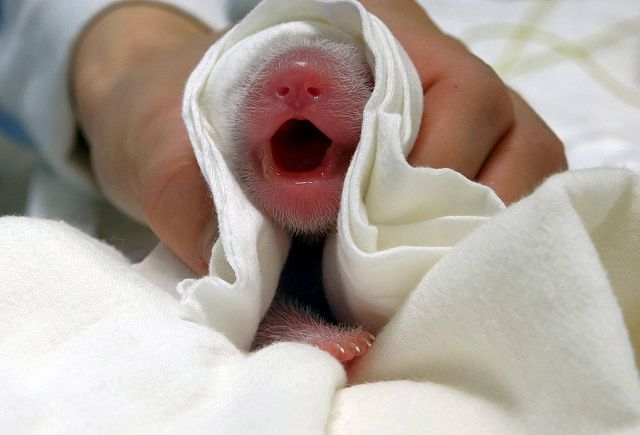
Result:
pixel 296 133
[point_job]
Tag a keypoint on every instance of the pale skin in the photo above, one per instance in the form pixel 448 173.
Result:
pixel 127 81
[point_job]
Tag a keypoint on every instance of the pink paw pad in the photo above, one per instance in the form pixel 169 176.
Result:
pixel 348 346
pixel 286 322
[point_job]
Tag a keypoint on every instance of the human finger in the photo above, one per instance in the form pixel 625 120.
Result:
pixel 466 106
pixel 526 155
pixel 467 110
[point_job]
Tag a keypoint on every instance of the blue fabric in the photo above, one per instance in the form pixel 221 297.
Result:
pixel 14 130
pixel 237 9
pixel 10 126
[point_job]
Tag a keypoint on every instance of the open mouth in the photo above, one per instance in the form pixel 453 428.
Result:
pixel 298 147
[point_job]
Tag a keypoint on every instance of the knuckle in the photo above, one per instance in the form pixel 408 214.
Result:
pixel 484 90
pixel 542 144
pixel 495 98
pixel 550 152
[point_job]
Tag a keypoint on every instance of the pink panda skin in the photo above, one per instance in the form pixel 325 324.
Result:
pixel 298 126
pixel 302 126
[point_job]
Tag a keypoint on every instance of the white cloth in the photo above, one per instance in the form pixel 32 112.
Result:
pixel 516 330
pixel 249 255
pixel 497 320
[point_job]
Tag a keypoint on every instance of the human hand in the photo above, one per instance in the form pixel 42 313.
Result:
pixel 128 76
pixel 128 81
pixel 472 122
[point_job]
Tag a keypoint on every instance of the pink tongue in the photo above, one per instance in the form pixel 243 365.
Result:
pixel 299 146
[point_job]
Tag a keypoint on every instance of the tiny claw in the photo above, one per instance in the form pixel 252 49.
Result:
pixel 371 336
pixel 340 348
pixel 356 347
pixel 367 342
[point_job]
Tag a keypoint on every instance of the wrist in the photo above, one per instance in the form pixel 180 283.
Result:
pixel 118 42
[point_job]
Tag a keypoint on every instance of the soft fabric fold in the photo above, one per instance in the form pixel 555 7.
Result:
pixel 371 234
pixel 490 319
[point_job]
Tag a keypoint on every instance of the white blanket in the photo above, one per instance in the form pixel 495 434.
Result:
pixel 493 320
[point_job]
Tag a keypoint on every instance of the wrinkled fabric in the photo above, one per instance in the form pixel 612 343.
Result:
pixel 490 319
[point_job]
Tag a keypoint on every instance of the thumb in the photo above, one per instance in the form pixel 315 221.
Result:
pixel 176 204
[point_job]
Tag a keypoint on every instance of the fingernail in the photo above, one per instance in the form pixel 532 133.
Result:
pixel 208 238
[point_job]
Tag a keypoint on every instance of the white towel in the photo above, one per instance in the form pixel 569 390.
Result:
pixel 494 320
pixel 366 275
